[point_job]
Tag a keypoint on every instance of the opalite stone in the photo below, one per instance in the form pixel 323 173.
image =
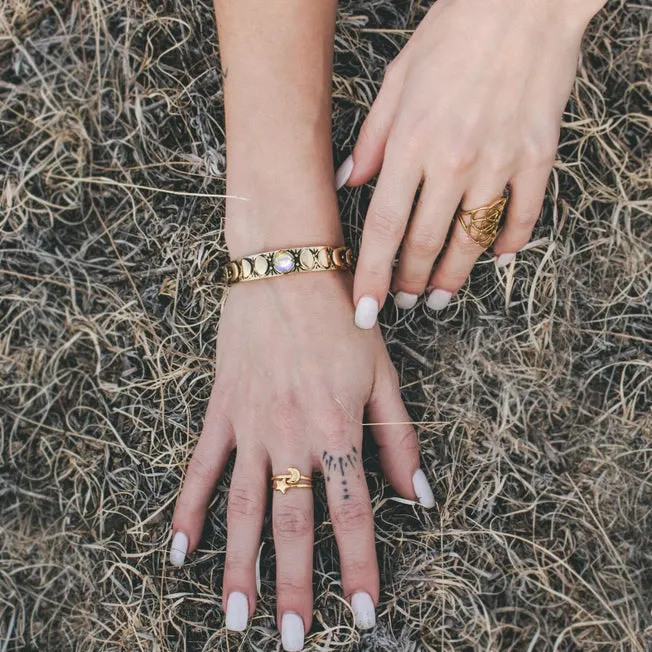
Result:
pixel 246 267
pixel 307 259
pixel 283 262
pixel 260 265
pixel 324 258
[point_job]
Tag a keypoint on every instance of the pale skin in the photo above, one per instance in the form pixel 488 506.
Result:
pixel 472 103
pixel 295 377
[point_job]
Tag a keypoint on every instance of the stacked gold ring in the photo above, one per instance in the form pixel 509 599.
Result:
pixel 288 261
pixel 293 479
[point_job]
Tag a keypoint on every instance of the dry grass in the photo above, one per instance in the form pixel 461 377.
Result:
pixel 533 389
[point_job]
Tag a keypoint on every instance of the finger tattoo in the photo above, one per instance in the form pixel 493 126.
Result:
pixel 341 468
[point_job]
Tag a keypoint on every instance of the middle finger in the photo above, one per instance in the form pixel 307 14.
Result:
pixel 425 237
pixel 293 525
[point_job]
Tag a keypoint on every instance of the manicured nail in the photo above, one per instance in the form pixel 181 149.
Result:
pixel 422 489
pixel 405 300
pixel 178 549
pixel 237 612
pixel 364 610
pixel 292 632
pixel 505 259
pixel 344 172
pixel 366 313
pixel 438 299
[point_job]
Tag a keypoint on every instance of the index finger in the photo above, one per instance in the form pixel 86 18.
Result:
pixel 383 231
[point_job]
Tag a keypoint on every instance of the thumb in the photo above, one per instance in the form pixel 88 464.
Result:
pixel 369 151
pixel 398 447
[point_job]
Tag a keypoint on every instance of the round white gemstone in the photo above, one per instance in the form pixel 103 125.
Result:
pixel 283 262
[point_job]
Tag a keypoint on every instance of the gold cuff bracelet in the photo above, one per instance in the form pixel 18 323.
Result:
pixel 288 261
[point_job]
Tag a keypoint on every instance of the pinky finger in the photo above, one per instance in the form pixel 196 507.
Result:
pixel 527 190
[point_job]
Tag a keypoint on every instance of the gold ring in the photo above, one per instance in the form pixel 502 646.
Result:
pixel 481 224
pixel 293 479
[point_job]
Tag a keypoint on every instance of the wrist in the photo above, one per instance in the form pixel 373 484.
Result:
pixel 264 219
pixel 280 188
pixel 577 12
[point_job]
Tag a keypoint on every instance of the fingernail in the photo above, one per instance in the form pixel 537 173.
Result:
pixel 422 489
pixel 366 313
pixel 178 549
pixel 405 300
pixel 237 611
pixel 364 610
pixel 438 299
pixel 505 259
pixel 292 632
pixel 344 172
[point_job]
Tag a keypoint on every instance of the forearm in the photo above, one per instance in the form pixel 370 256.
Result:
pixel 277 58
pixel 584 9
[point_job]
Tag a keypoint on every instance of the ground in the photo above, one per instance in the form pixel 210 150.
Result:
pixel 531 392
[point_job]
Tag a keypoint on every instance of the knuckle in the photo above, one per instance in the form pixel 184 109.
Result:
pixel 386 223
pixel 335 435
pixel 460 159
pixel 291 522
pixel 526 218
pixel 410 285
pixel 242 504
pixel 466 244
pixel 290 586
pixel 423 242
pixel 201 471
pixel 235 562
pixel 406 438
pixel 287 406
pixel 350 515
pixel 500 158
pixel 356 567
pixel 408 140
pixel 456 149
pixel 540 148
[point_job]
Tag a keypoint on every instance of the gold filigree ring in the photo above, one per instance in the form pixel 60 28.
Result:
pixel 293 479
pixel 481 224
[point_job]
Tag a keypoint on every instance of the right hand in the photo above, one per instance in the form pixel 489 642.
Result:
pixel 294 376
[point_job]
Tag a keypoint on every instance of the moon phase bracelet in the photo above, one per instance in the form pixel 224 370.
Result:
pixel 288 261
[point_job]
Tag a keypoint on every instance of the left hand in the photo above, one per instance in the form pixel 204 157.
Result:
pixel 471 104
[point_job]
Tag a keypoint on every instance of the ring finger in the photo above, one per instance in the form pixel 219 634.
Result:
pixel 293 525
pixel 463 248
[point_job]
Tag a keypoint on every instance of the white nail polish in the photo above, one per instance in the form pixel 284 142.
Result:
pixel 405 300
pixel 438 299
pixel 343 172
pixel 505 259
pixel 422 489
pixel 178 549
pixel 292 632
pixel 366 313
pixel 237 611
pixel 364 610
